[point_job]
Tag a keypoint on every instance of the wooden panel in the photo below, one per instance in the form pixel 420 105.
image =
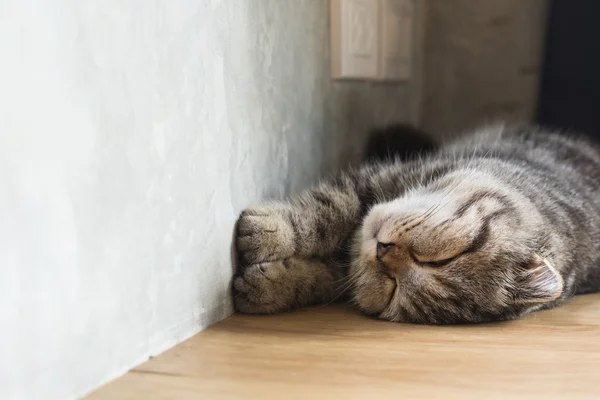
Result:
pixel 333 352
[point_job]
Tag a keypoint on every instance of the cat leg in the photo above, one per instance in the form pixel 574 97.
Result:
pixel 313 224
pixel 276 286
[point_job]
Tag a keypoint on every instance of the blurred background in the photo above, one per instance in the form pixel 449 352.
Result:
pixel 132 134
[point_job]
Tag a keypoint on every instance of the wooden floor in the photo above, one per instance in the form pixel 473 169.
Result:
pixel 335 353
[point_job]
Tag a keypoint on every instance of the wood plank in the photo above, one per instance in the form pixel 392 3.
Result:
pixel 334 352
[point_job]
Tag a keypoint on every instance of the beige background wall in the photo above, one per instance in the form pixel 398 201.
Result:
pixel 482 61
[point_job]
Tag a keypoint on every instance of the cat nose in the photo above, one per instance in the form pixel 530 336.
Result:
pixel 383 248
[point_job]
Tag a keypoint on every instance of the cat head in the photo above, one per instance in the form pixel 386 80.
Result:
pixel 466 249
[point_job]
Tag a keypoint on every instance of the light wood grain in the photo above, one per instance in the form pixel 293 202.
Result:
pixel 333 352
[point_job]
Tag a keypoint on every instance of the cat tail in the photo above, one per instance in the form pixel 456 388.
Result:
pixel 397 141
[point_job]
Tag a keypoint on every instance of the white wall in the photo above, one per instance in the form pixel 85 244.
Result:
pixel 132 133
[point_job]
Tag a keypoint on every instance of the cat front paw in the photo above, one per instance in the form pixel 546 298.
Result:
pixel 264 234
pixel 264 289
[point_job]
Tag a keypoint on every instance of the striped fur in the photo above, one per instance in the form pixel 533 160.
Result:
pixel 495 225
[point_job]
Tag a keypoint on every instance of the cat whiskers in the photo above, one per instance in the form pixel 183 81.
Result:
pixel 351 280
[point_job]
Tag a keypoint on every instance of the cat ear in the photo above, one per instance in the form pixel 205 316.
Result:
pixel 539 282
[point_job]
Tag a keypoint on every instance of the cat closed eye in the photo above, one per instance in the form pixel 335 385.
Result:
pixel 439 263
pixel 432 263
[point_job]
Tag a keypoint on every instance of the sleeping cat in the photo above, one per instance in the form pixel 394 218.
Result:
pixel 493 226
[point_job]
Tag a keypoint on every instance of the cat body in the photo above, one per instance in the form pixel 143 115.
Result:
pixel 492 226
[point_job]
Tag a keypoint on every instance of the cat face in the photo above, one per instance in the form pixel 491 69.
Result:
pixel 464 250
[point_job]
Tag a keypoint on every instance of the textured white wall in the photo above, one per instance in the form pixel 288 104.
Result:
pixel 482 62
pixel 132 133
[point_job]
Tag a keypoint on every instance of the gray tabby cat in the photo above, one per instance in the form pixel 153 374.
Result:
pixel 491 227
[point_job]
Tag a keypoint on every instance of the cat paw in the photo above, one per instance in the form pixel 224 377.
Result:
pixel 264 289
pixel 264 234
